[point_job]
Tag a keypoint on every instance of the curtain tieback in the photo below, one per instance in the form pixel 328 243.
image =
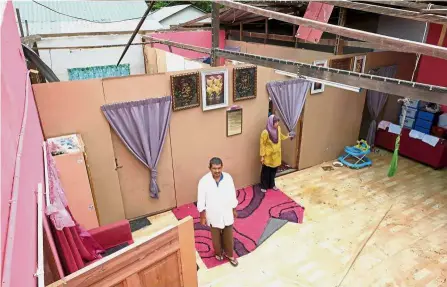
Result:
pixel 153 187
pixel 154 174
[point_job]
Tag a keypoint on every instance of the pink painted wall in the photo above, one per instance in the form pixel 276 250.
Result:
pixel 196 38
pixel 24 251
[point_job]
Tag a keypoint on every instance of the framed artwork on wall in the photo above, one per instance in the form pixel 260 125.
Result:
pixel 244 83
pixel 317 88
pixel 214 89
pixel 185 90
pixel 359 64
pixel 234 122
pixel 341 64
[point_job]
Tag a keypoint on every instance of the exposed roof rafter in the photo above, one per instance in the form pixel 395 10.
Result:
pixel 407 4
pixel 383 41
pixel 391 86
pixel 394 12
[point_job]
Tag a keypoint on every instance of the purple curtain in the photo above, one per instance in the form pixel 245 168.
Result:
pixel 142 126
pixel 376 101
pixel 289 97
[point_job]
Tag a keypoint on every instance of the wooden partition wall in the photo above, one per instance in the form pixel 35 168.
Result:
pixel 120 183
pixel 167 259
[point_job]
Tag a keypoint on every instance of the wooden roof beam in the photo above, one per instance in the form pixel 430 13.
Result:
pixel 435 11
pixel 384 42
pixel 248 20
pixel 178 45
pixel 408 4
pixel 287 38
pixel 208 15
pixel 392 86
pixel 394 12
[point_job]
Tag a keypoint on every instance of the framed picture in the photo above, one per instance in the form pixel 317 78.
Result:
pixel 185 90
pixel 214 89
pixel 359 64
pixel 317 88
pixel 244 83
pixel 341 64
pixel 234 122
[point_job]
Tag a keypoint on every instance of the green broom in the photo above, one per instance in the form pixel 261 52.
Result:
pixel 393 166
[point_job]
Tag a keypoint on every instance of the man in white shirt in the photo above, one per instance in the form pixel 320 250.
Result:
pixel 217 203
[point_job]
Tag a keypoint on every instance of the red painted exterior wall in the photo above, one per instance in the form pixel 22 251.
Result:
pixel 433 70
pixel 196 38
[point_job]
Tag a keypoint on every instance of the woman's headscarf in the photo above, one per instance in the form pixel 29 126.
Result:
pixel 273 133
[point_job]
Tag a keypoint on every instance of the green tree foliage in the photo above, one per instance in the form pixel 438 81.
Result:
pixel 202 5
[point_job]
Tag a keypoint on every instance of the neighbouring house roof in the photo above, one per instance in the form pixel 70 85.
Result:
pixel 103 11
pixel 42 20
pixel 167 12
pixel 40 28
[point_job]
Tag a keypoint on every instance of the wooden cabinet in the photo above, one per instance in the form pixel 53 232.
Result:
pixel 75 182
pixel 167 259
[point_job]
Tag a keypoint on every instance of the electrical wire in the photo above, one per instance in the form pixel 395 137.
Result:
pixel 84 19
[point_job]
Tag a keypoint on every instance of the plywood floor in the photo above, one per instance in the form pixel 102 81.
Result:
pixel 343 208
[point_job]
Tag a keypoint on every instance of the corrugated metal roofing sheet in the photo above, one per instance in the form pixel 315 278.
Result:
pixel 81 26
pixel 165 12
pixel 92 10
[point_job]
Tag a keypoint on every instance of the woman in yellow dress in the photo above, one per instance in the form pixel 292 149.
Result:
pixel 270 152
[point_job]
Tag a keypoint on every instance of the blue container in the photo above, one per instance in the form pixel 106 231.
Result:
pixel 413 104
pixel 411 113
pixel 426 116
pixel 422 130
pixel 423 123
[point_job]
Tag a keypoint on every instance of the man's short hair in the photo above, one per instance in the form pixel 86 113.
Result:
pixel 215 161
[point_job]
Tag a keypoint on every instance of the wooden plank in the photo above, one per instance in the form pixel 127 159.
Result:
pixel 387 85
pixel 141 32
pixel 393 86
pixel 215 27
pixel 317 11
pixel 381 40
pixel 179 45
pixel 338 48
pixel 248 20
pixel 435 11
pixel 295 38
pixel 442 36
pixel 107 268
pixel 19 20
pixel 408 4
pixel 89 47
pixel 195 20
pixel 324 42
pixel 312 11
pixel 187 251
pixel 133 281
pixel 266 30
pixel 394 12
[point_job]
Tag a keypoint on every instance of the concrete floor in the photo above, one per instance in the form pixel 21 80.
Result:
pixel 343 210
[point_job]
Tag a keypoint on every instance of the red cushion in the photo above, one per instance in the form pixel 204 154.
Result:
pixel 112 235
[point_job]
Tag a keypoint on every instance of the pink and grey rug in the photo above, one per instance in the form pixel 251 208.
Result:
pixel 259 216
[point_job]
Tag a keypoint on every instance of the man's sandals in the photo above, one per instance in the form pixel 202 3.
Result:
pixel 233 261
